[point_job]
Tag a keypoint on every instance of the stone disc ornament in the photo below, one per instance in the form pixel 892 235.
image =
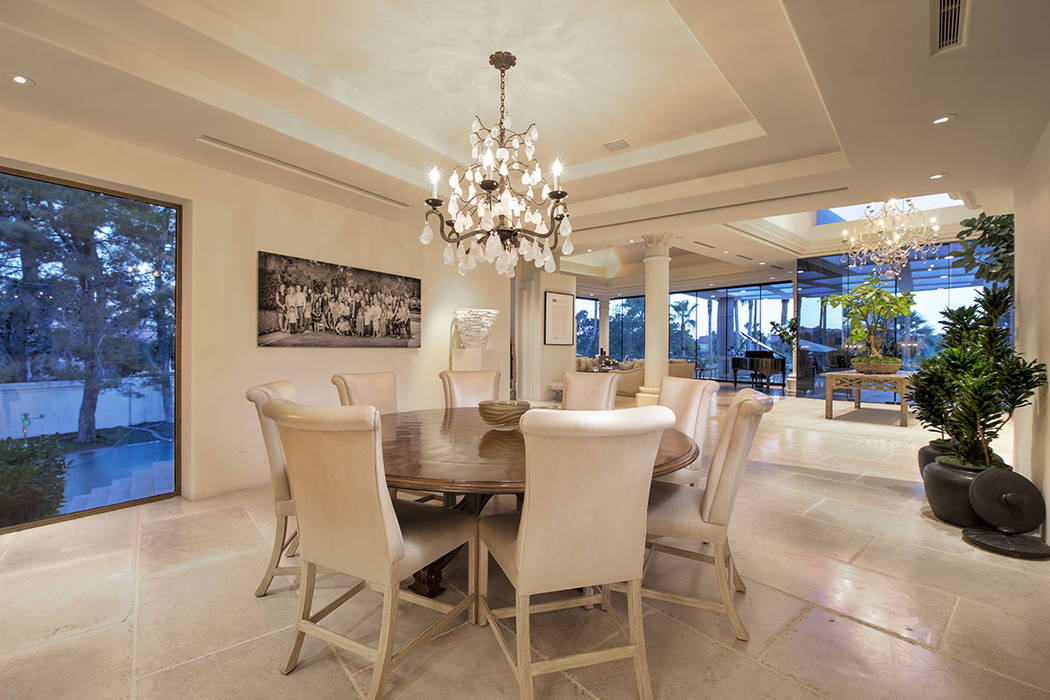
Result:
pixel 1012 505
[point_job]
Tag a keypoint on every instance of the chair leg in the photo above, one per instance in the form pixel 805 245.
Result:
pixel 634 626
pixel 293 546
pixel 483 577
pixel 605 597
pixel 738 581
pixel 524 640
pixel 588 590
pixel 387 631
pixel 306 598
pixel 722 574
pixel 280 532
pixel 472 579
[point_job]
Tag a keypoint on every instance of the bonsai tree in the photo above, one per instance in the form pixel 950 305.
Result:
pixel 972 388
pixel 869 309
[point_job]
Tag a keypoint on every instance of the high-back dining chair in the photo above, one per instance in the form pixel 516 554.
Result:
pixel 465 388
pixel 283 505
pixel 702 515
pixel 589 391
pixel 690 399
pixel 587 476
pixel 348 523
pixel 377 389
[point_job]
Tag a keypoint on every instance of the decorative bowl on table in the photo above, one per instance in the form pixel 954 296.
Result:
pixel 502 415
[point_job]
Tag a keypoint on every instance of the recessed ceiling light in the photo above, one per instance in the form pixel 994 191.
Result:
pixel 631 241
pixel 772 278
pixel 19 79
pixel 588 250
pixel 937 176
pixel 944 119
pixel 761 263
pixel 726 252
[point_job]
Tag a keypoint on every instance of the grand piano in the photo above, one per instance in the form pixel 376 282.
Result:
pixel 763 366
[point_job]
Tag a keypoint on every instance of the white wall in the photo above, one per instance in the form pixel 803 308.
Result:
pixel 226 220
pixel 1032 219
pixel 54 407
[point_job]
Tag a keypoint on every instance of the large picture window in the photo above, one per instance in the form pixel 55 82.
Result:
pixel 586 327
pixel 87 349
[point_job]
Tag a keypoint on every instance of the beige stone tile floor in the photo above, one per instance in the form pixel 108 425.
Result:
pixel 854 591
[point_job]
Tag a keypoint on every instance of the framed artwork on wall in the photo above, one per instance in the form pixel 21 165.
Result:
pixel 559 318
pixel 311 304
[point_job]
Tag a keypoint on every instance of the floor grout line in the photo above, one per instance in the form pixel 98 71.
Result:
pixel 216 651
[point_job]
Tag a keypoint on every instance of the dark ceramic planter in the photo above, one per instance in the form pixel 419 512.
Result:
pixel 930 452
pixel 948 491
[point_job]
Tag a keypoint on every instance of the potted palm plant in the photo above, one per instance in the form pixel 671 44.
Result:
pixel 869 310
pixel 968 393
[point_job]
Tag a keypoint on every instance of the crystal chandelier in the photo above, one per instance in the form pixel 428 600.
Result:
pixel 500 209
pixel 889 237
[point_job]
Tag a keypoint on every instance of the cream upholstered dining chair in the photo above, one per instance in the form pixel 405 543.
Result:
pixel 587 475
pixel 377 389
pixel 283 505
pixel 348 523
pixel 465 388
pixel 589 391
pixel 690 399
pixel 702 515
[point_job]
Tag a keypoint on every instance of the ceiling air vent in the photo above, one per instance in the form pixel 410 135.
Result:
pixel 948 21
pixel 744 257
pixel 616 146
pixel 706 245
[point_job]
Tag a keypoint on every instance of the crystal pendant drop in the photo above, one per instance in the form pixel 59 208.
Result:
pixel 549 266
pixel 566 226
pixel 545 192
pixel 566 247
pixel 448 256
pixel 427 235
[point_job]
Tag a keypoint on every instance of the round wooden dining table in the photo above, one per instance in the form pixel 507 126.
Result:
pixel 453 451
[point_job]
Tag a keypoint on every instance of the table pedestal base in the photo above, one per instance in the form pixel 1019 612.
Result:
pixel 428 579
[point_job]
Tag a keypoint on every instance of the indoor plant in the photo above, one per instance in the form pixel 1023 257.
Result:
pixel 869 309
pixel 968 392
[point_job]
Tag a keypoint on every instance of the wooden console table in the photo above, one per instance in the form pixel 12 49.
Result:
pixel 852 379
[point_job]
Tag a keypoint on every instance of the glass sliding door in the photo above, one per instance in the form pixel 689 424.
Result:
pixel 87 349
pixel 823 344
pixel 627 328
pixel 586 327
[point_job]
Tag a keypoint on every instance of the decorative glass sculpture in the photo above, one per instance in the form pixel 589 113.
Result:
pixel 474 326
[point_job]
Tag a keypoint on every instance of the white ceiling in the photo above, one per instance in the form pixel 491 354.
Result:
pixel 734 110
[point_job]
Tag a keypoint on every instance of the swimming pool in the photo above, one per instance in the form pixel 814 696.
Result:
pixel 93 469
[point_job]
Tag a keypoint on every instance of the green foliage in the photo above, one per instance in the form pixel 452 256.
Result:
pixel 32 479
pixel 787 333
pixel 989 254
pixel 970 390
pixel 869 309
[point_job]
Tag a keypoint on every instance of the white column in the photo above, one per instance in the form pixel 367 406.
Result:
pixel 657 297
pixel 603 323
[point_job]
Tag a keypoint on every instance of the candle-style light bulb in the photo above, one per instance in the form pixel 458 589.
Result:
pixel 434 177
pixel 556 170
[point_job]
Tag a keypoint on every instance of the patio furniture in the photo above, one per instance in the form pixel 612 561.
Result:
pixel 702 515
pixel 582 526
pixel 349 524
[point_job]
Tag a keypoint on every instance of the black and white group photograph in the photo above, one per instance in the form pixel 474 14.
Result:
pixel 308 303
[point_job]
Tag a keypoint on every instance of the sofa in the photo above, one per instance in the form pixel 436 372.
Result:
pixel 632 372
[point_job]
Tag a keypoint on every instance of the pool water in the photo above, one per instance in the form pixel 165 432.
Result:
pixel 94 468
